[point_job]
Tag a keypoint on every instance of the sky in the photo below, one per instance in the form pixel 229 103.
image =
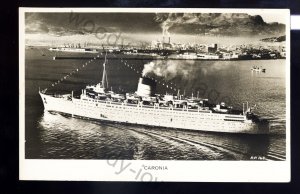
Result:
pixel 74 26
pixel 128 22
pixel 79 22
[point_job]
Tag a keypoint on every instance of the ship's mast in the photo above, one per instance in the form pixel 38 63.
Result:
pixel 104 75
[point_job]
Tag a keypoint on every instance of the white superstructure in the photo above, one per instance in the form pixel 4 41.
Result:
pixel 183 118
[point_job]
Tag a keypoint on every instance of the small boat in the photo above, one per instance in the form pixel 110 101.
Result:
pixel 258 69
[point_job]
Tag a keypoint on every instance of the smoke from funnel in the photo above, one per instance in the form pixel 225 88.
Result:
pixel 168 69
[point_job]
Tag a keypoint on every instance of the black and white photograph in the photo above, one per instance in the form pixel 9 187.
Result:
pixel 164 86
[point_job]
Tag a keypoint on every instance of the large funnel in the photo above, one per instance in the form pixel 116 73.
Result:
pixel 146 87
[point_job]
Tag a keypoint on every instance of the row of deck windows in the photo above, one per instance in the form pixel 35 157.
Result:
pixel 193 116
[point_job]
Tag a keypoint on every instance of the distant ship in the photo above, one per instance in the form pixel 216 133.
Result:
pixel 73 50
pixel 193 55
pixel 145 107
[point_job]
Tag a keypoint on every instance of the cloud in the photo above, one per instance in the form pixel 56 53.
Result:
pixel 216 24
pixel 231 24
pixel 36 27
pixel 86 23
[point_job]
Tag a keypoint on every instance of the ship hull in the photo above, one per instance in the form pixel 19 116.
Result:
pixel 152 116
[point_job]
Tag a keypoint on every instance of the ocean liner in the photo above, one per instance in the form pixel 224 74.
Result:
pixel 145 107
pixel 73 50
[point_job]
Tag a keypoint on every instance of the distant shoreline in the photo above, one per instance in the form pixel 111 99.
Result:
pixel 152 58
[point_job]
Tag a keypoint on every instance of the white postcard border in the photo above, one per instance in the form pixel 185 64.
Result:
pixel 183 171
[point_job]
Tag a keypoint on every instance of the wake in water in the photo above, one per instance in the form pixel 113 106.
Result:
pixel 77 138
